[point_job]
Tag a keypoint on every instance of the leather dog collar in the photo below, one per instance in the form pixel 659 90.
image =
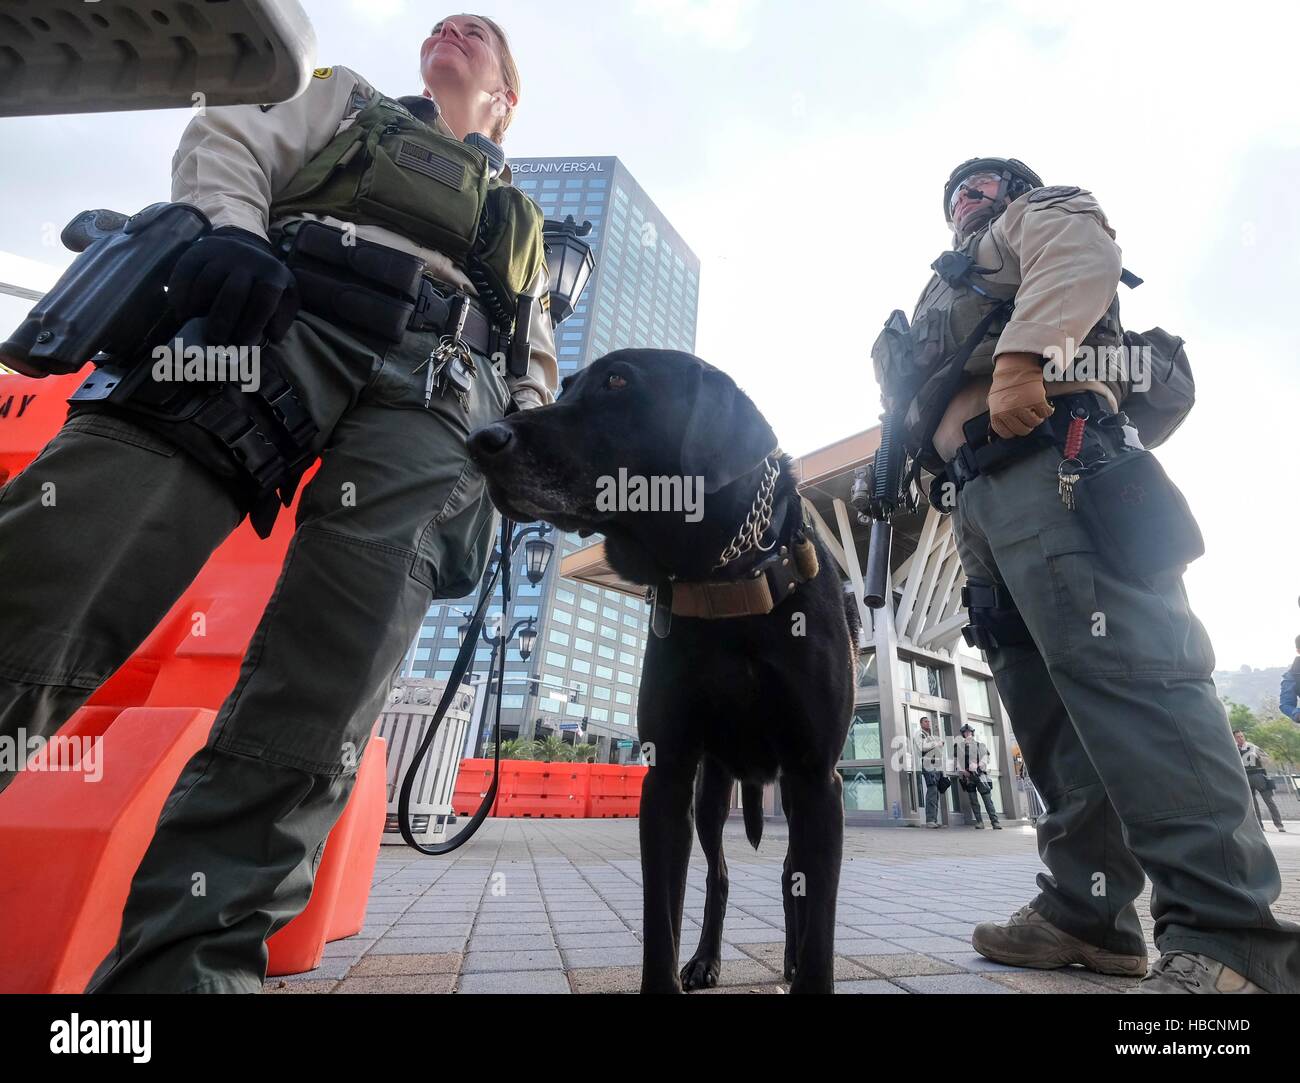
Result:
pixel 762 588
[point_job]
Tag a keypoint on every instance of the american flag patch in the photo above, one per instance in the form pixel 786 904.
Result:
pixel 431 164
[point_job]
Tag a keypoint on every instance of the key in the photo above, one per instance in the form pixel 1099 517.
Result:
pixel 1067 474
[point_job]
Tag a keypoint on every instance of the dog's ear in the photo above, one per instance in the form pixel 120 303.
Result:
pixel 726 436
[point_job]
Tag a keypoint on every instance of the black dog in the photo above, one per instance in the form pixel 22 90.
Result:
pixel 723 696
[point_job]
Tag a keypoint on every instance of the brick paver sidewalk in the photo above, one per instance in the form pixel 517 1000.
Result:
pixel 554 906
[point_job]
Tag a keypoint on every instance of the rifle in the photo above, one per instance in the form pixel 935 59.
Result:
pixel 880 491
pixel 883 488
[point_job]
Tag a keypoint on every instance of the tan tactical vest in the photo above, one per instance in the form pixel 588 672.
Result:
pixel 911 364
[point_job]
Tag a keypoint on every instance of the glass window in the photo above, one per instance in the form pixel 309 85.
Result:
pixel 905 675
pixel 448 654
pixel 626 658
pixel 582 644
pixel 606 672
pixel 512 701
pixel 606 611
pixel 604 651
pixel 548 706
pixel 863 742
pixel 600 691
pixel 564 596
pixel 558 637
pixel 561 617
pixel 622 697
pixel 927 678
pixel 625 677
pixel 587 625
pixel 589 605
pixel 580 665
pixel 864 788
pixel 553 659
pixel 599 714
pixel 866 670
pixel 975 691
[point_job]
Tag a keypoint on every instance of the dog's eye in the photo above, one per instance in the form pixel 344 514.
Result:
pixel 615 382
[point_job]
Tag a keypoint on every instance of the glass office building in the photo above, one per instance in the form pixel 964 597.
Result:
pixel 582 678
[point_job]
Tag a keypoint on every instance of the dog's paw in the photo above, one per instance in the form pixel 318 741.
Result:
pixel 701 973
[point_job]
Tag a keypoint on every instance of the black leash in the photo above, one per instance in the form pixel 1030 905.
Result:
pixel 449 694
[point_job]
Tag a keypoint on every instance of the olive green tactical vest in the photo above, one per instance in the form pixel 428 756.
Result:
pixel 911 365
pixel 392 170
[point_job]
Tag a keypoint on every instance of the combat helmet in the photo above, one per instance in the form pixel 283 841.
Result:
pixel 1017 179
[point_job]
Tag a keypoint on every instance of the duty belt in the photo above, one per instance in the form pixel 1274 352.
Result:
pixel 986 453
pixel 381 293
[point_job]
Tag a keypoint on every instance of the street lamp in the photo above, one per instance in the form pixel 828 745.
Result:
pixel 537 558
pixel 570 262
pixel 528 639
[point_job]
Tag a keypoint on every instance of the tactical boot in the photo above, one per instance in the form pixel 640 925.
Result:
pixel 1184 972
pixel 1028 939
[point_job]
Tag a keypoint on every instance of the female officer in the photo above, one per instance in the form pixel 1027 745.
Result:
pixel 379 206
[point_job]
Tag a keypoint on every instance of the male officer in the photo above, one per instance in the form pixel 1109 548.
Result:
pixel 971 759
pixel 1106 678
pixel 396 515
pixel 929 751
pixel 1254 760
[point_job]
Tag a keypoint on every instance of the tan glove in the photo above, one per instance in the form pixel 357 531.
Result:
pixel 1017 400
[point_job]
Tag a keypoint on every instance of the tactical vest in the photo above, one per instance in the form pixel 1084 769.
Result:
pixel 390 169
pixel 911 362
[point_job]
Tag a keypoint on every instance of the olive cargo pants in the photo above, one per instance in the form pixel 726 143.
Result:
pixel 1125 739
pixel 396 516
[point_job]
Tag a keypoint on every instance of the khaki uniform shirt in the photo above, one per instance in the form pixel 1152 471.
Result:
pixel 1252 755
pixel 929 749
pixel 234 160
pixel 1062 258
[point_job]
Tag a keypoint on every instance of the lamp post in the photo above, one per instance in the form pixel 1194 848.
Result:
pixel 537 558
pixel 569 259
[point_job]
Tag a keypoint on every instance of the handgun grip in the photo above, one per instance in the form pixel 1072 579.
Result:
pixel 90 226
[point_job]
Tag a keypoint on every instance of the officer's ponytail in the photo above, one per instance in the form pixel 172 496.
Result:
pixel 509 74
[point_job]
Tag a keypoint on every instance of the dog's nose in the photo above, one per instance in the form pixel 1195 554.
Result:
pixel 490 440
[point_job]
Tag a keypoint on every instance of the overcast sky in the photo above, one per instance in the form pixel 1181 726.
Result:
pixel 801 148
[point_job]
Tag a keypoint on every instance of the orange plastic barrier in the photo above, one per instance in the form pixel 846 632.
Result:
pixel 615 790
pixel 69 847
pixel 531 788
pixel 55 844
pixel 338 899
pixel 472 784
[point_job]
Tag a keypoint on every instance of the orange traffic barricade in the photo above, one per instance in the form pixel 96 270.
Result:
pixel 615 789
pixel 536 789
pixel 68 850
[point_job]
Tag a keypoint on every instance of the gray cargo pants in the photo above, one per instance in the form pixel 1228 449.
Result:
pixel 1125 738
pixel 396 516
